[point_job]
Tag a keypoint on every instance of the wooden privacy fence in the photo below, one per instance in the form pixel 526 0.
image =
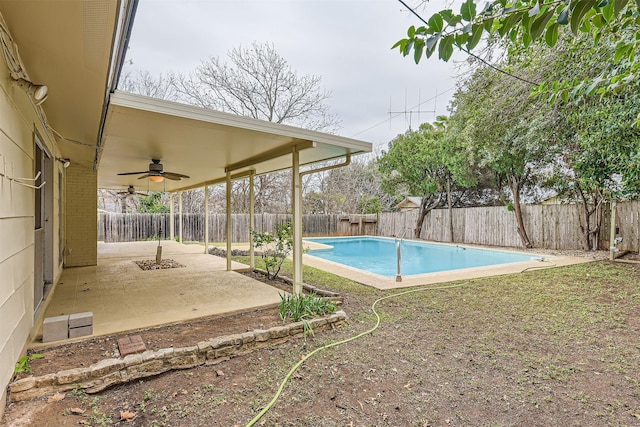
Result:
pixel 548 226
pixel 115 227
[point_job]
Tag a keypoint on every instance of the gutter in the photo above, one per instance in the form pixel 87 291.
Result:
pixel 119 46
pixel 347 162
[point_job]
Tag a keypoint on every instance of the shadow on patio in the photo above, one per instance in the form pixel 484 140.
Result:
pixel 123 297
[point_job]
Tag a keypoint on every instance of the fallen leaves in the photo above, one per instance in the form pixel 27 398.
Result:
pixel 127 415
pixel 56 397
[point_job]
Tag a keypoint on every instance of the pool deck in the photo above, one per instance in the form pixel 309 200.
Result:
pixel 383 282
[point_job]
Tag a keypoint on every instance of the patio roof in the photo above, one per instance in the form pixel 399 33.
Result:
pixel 202 143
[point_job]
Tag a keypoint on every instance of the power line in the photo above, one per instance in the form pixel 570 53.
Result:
pixel 401 113
pixel 500 70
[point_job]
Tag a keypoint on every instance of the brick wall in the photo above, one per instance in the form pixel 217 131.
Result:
pixel 81 217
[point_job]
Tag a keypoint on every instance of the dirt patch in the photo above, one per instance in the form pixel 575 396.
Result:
pixel 529 349
pixel 151 264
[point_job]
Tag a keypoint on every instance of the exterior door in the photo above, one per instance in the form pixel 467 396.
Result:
pixel 44 233
pixel 39 216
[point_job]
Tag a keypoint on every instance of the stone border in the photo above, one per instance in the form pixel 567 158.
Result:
pixel 309 288
pixel 110 372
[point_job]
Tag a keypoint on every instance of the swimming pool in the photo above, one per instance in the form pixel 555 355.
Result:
pixel 378 255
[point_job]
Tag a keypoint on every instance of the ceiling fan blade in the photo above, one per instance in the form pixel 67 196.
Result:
pixel 144 176
pixel 173 175
pixel 132 173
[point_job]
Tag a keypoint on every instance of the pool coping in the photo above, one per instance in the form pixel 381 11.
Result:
pixel 384 282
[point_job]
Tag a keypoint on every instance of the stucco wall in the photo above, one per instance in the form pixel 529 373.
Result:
pixel 81 216
pixel 18 124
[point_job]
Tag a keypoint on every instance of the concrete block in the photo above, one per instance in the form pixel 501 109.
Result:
pixel 78 320
pixel 81 331
pixel 55 328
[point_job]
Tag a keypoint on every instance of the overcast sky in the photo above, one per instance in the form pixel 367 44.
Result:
pixel 346 42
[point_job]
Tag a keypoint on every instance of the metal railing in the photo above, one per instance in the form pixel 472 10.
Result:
pixel 399 256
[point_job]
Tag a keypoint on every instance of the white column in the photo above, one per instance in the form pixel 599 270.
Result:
pixel 206 219
pixel 180 219
pixel 229 228
pixel 171 218
pixel 296 210
pixel 252 222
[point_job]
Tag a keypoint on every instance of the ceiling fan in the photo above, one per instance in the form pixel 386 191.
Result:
pixel 131 191
pixel 156 173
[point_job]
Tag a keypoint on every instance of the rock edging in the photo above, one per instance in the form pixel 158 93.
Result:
pixel 110 372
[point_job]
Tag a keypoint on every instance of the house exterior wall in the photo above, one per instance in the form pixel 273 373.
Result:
pixel 81 227
pixel 19 123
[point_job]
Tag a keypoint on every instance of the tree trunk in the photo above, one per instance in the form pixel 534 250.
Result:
pixel 515 184
pixel 418 230
pixel 585 220
pixel 427 205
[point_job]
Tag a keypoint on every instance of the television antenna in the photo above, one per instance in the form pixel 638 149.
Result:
pixel 415 110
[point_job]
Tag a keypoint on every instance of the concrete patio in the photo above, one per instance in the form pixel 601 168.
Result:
pixel 124 297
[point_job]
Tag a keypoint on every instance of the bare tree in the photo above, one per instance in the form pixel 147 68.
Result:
pixel 143 83
pixel 350 189
pixel 255 82
pixel 259 83
pixel 117 201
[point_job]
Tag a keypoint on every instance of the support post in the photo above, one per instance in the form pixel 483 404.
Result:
pixel 228 214
pixel 171 218
pixel 180 219
pixel 252 221
pixel 296 209
pixel 398 261
pixel 206 219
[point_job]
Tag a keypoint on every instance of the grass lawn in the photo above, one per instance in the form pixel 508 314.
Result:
pixel 538 347
pixel 546 347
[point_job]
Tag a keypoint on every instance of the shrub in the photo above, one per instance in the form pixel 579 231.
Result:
pixel 302 307
pixel 274 247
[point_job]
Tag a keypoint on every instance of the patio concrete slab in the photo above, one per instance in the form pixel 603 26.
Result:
pixel 124 297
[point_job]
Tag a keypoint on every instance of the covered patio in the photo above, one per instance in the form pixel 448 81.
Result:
pixel 124 297
pixel 211 147
pixel 99 135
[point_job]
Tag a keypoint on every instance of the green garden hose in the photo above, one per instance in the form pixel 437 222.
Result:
pixel 553 264
pixel 337 343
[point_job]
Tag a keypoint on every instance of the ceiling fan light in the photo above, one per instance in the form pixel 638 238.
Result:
pixel 156 178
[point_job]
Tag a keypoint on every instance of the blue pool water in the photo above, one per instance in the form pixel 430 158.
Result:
pixel 378 255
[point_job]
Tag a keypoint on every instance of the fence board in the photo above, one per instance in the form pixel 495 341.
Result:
pixel 548 226
pixel 628 223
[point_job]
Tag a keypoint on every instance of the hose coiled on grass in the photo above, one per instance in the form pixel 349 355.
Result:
pixel 337 343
